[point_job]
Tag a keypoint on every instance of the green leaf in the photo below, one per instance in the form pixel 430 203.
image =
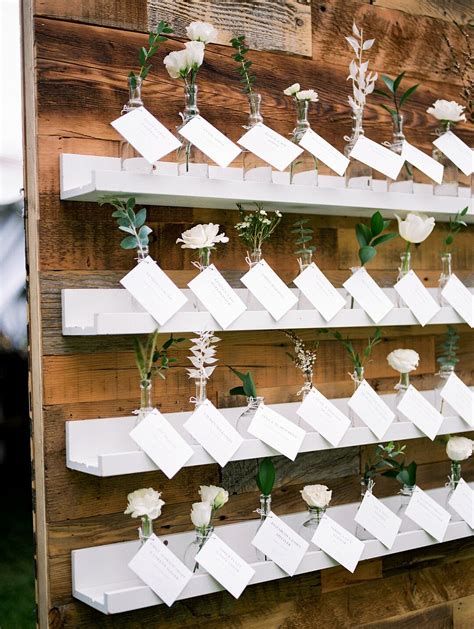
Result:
pixel 363 234
pixel 376 224
pixel 407 94
pixel 381 93
pixel 391 111
pixel 384 238
pixel 266 476
pixel 130 242
pixel 397 81
pixel 366 254
pixel 140 217
pixel 129 230
pixel 119 214
pixel 237 391
pixel 388 82
pixel 144 231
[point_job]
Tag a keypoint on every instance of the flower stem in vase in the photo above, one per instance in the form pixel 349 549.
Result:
pixel 252 259
pixel 146 403
pixel 309 526
pixel 358 175
pixel 401 388
pixel 366 485
pixel 445 276
pixel 444 372
pixel 146 529
pixel 245 418
pixel 453 482
pixel 202 535
pixel 304 169
pixel 357 378
pixel 130 159
pixel 450 183
pixel 406 492
pixel 404 268
pixel 191 161
pixel 255 168
pixel 263 511
pixel 404 181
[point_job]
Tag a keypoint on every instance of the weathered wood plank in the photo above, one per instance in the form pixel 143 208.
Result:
pixel 459 11
pixel 463 613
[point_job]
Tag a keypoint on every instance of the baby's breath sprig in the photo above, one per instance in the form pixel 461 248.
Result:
pixel 257 226
pixel 304 356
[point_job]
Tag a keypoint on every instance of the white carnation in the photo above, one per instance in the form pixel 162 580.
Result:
pixel 144 502
pixel 310 95
pixel 202 237
pixel 459 448
pixel 403 360
pixel 292 90
pixel 316 496
pixel 201 514
pixel 201 31
pixel 447 110
pixel 216 496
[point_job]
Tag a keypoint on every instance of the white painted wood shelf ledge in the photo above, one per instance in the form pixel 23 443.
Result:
pixel 89 178
pixel 102 579
pixel 102 311
pixel 103 447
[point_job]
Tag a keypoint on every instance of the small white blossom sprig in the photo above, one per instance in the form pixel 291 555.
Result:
pixel 256 227
pixel 298 94
pixel 203 355
pixel 304 357
pixel 363 82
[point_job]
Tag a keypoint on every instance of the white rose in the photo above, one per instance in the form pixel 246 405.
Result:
pixel 447 110
pixel 201 237
pixel 201 514
pixel 316 495
pixel 144 502
pixel 459 448
pixel 194 52
pixel 201 31
pixel 310 95
pixel 403 360
pixel 291 91
pixel 177 64
pixel 216 496
pixel 416 227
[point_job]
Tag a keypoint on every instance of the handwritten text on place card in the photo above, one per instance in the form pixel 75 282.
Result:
pixel 423 162
pixel 460 298
pixel 269 289
pixel 428 514
pixel 275 539
pixel 338 543
pixel 161 570
pixel 462 501
pixel 459 397
pixel 320 148
pixel 371 409
pixel 270 146
pixel 377 157
pixel 322 415
pixel 457 151
pixel 211 429
pixel 369 295
pixel 277 431
pixel 146 134
pixel 210 141
pixel 419 411
pixel 378 519
pixel 316 287
pixel 217 296
pixel 417 298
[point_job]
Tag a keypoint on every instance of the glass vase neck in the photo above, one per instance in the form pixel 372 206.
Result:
pixel 305 258
pixel 407 490
pixel 398 134
pixel 446 370
pixel 255 117
pixel 317 513
pixel 201 391
pixel 142 254
pixel 254 257
pixel 446 261
pixel 146 404
pixel 455 476
pixel 146 529
pixel 203 532
pixel 254 402
pixel 265 505
pixel 358 376
pixel 357 124
pixel 204 258
pixel 366 485
pixel 405 262
pixel 404 382
pixel 190 101
pixel 302 122
pixel 134 94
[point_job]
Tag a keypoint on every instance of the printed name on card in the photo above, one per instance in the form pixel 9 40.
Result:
pixel 316 287
pixel 338 543
pixel 371 409
pixel 270 146
pixel 459 397
pixel 320 148
pixel 369 295
pixel 377 157
pixel 210 141
pixel 460 298
pixel 417 298
pixel 428 514
pixel 378 519
pixel 462 501
pixel 269 290
pixel 277 431
pixel 217 296
pixel 161 570
pixel 154 290
pixel 162 443
pixel 322 415
pixel 422 161
pixel 146 134
pixel 212 430
pixel 225 565
pixel 419 411
pixel 457 151
pixel 278 541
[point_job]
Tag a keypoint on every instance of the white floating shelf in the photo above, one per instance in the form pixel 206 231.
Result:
pixel 88 178
pixel 103 447
pixel 101 577
pixel 93 311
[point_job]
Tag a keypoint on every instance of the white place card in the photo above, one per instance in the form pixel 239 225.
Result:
pixel 210 141
pixel 316 287
pixel 338 543
pixel 422 161
pixel 462 501
pixel 320 148
pixel 276 431
pixel 146 134
pixel 161 570
pixel 377 157
pixel 270 146
pixel 459 397
pixel 428 514
pixel 154 290
pixel 368 294
pixel 322 415
pixel 457 151
pixel 460 298
pixel 225 565
pixel 277 540
pixel 162 443
pixel 378 519
pixel 218 296
pixel 212 430
pixel 417 298
pixel 371 409
pixel 419 411
pixel 269 290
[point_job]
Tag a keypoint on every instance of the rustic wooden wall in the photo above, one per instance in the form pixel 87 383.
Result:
pixel 79 54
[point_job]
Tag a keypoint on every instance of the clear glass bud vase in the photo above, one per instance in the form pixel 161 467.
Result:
pixel 253 258
pixel 443 407
pixel 130 159
pixel 201 264
pixel 358 175
pixel 191 161
pixel 245 418
pixel 146 404
pixel 366 485
pixel 309 526
pixel 142 254
pixel 305 258
pixel 255 169
pixel 263 511
pixel 304 169
pixel 401 388
pixel 406 492
pixel 404 181
pixel 202 535
pixel 453 481
pixel 357 378
pixel 449 185
pixel 146 529
pixel 308 384
pixel 403 269
pixel 446 272
pixel 201 392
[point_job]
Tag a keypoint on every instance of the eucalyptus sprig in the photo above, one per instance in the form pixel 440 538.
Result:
pixel 404 474
pixel 454 227
pixel 304 236
pixel 266 474
pixel 145 54
pixel 130 222
pixel 393 94
pixel 384 455
pixel 246 77
pixel 448 348
pixel 370 236
pixel 248 387
pixel 359 360
pixel 150 360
